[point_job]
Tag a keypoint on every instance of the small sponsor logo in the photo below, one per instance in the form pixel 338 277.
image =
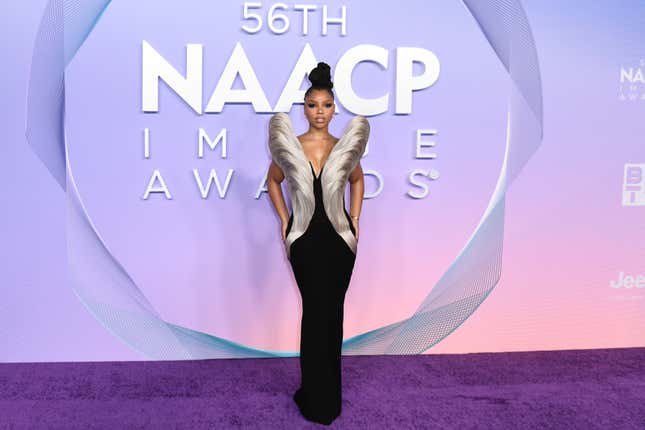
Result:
pixel 632 82
pixel 628 281
pixel 634 185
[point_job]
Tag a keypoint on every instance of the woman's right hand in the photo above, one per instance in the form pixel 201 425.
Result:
pixel 284 230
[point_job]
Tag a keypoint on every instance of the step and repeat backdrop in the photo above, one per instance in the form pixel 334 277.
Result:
pixel 504 200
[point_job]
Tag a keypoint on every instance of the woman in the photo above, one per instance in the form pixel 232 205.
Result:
pixel 320 236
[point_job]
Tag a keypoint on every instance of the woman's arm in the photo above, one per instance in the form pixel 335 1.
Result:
pixel 356 192
pixel 275 176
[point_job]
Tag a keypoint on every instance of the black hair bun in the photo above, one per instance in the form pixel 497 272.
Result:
pixel 320 76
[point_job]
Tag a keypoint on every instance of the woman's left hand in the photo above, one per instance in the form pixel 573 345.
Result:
pixel 355 224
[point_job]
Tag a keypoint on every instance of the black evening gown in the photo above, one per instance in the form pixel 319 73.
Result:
pixel 322 264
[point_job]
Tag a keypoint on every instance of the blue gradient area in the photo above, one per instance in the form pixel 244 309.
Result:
pixel 113 298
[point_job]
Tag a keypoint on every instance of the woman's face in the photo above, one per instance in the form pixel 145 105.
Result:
pixel 319 108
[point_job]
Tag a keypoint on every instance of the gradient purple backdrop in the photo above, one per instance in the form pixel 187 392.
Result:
pixel 218 266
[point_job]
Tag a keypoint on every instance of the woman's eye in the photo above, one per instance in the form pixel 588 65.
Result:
pixel 328 105
pixel 310 105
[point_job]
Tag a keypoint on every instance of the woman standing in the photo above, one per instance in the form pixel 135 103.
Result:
pixel 320 236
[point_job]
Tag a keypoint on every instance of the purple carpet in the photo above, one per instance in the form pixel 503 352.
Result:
pixel 585 389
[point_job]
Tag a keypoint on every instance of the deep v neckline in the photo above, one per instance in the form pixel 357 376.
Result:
pixel 312 164
pixel 314 170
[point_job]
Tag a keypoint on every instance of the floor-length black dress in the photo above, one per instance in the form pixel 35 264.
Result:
pixel 322 264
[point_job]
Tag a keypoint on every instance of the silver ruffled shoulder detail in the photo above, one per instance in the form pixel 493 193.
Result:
pixel 341 162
